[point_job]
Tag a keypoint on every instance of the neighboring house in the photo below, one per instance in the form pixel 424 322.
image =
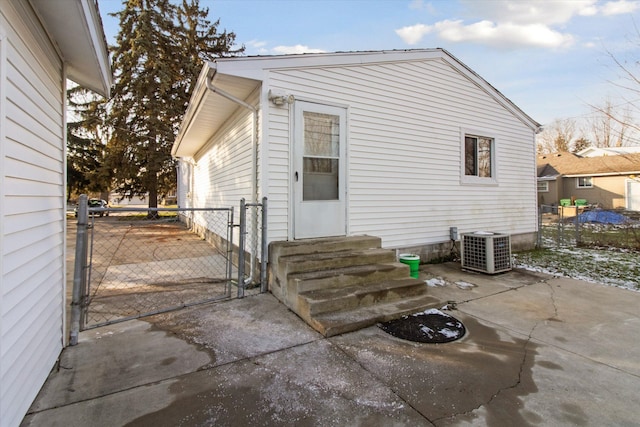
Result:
pixel 401 145
pixel 42 43
pixel 607 151
pixel 610 182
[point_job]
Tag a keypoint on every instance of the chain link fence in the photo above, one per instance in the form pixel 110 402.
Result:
pixel 134 262
pixel 583 226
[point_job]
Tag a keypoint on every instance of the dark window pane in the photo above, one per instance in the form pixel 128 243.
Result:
pixel 469 156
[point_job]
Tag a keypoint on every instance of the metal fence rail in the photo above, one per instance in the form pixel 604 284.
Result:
pixel 134 262
pixel 580 226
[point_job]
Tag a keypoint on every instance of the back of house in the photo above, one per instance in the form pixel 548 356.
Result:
pixel 403 145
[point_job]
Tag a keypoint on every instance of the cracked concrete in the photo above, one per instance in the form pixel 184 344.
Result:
pixel 539 350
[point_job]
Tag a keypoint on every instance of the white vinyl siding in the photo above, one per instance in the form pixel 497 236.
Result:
pixel 222 174
pixel 404 151
pixel 33 210
pixel 184 184
pixel 278 182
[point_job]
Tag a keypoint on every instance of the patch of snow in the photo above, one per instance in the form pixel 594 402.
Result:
pixel 432 311
pixel 465 285
pixel 449 333
pixel 436 281
pixel 427 331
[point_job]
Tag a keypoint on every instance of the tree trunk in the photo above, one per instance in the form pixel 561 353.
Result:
pixel 153 195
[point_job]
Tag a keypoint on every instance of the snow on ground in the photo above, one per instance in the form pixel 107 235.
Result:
pixel 612 267
pixel 436 281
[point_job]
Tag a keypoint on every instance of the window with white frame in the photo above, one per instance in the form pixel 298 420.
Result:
pixel 584 181
pixel 543 186
pixel 479 156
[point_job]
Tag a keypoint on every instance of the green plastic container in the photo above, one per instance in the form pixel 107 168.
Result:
pixel 413 261
pixel 565 202
pixel 581 202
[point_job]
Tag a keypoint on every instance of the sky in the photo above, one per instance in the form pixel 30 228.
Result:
pixel 553 58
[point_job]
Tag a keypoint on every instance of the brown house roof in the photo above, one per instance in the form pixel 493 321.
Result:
pixel 565 163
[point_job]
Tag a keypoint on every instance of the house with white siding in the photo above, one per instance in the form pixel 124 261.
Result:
pixel 402 145
pixel 42 44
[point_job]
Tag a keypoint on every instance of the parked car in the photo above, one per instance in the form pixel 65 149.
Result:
pixel 95 203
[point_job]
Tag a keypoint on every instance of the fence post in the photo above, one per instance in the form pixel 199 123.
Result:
pixel 263 252
pixel 79 276
pixel 577 224
pixel 560 226
pixel 241 245
pixel 539 243
pixel 230 226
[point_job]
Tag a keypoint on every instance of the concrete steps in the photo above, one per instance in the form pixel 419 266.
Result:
pixel 343 284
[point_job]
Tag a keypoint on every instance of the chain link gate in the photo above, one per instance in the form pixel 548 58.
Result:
pixel 129 267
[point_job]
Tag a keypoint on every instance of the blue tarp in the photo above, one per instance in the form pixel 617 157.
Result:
pixel 603 217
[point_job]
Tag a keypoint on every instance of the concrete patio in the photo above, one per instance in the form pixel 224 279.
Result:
pixel 539 350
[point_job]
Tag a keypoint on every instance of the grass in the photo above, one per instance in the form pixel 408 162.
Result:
pixel 609 266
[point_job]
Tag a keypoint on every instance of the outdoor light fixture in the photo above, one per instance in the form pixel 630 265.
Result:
pixel 280 98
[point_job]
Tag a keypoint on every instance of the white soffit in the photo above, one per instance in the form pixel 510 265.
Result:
pixel 208 111
pixel 76 28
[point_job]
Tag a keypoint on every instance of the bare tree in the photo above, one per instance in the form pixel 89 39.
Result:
pixel 557 136
pixel 617 125
pixel 612 126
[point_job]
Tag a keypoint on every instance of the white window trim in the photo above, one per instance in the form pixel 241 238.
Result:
pixel 584 186
pixel 546 187
pixel 472 179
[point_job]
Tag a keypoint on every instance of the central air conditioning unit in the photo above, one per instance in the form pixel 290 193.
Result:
pixel 486 252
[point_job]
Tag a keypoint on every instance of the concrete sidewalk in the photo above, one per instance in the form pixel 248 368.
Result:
pixel 539 350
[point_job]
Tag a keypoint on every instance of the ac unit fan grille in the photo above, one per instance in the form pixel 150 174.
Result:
pixel 501 253
pixel 488 253
pixel 475 252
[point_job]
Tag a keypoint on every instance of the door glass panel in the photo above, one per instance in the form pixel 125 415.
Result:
pixel 320 178
pixel 321 134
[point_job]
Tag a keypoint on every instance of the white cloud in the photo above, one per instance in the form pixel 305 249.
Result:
pixel 506 35
pixel 588 11
pixel 256 47
pixel 619 7
pixel 486 32
pixel 528 12
pixel 507 23
pixel 260 47
pixel 288 50
pixel 414 33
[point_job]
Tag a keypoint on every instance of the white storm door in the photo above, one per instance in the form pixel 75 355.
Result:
pixel 319 188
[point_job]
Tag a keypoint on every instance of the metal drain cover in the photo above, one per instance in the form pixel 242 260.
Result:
pixel 429 326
